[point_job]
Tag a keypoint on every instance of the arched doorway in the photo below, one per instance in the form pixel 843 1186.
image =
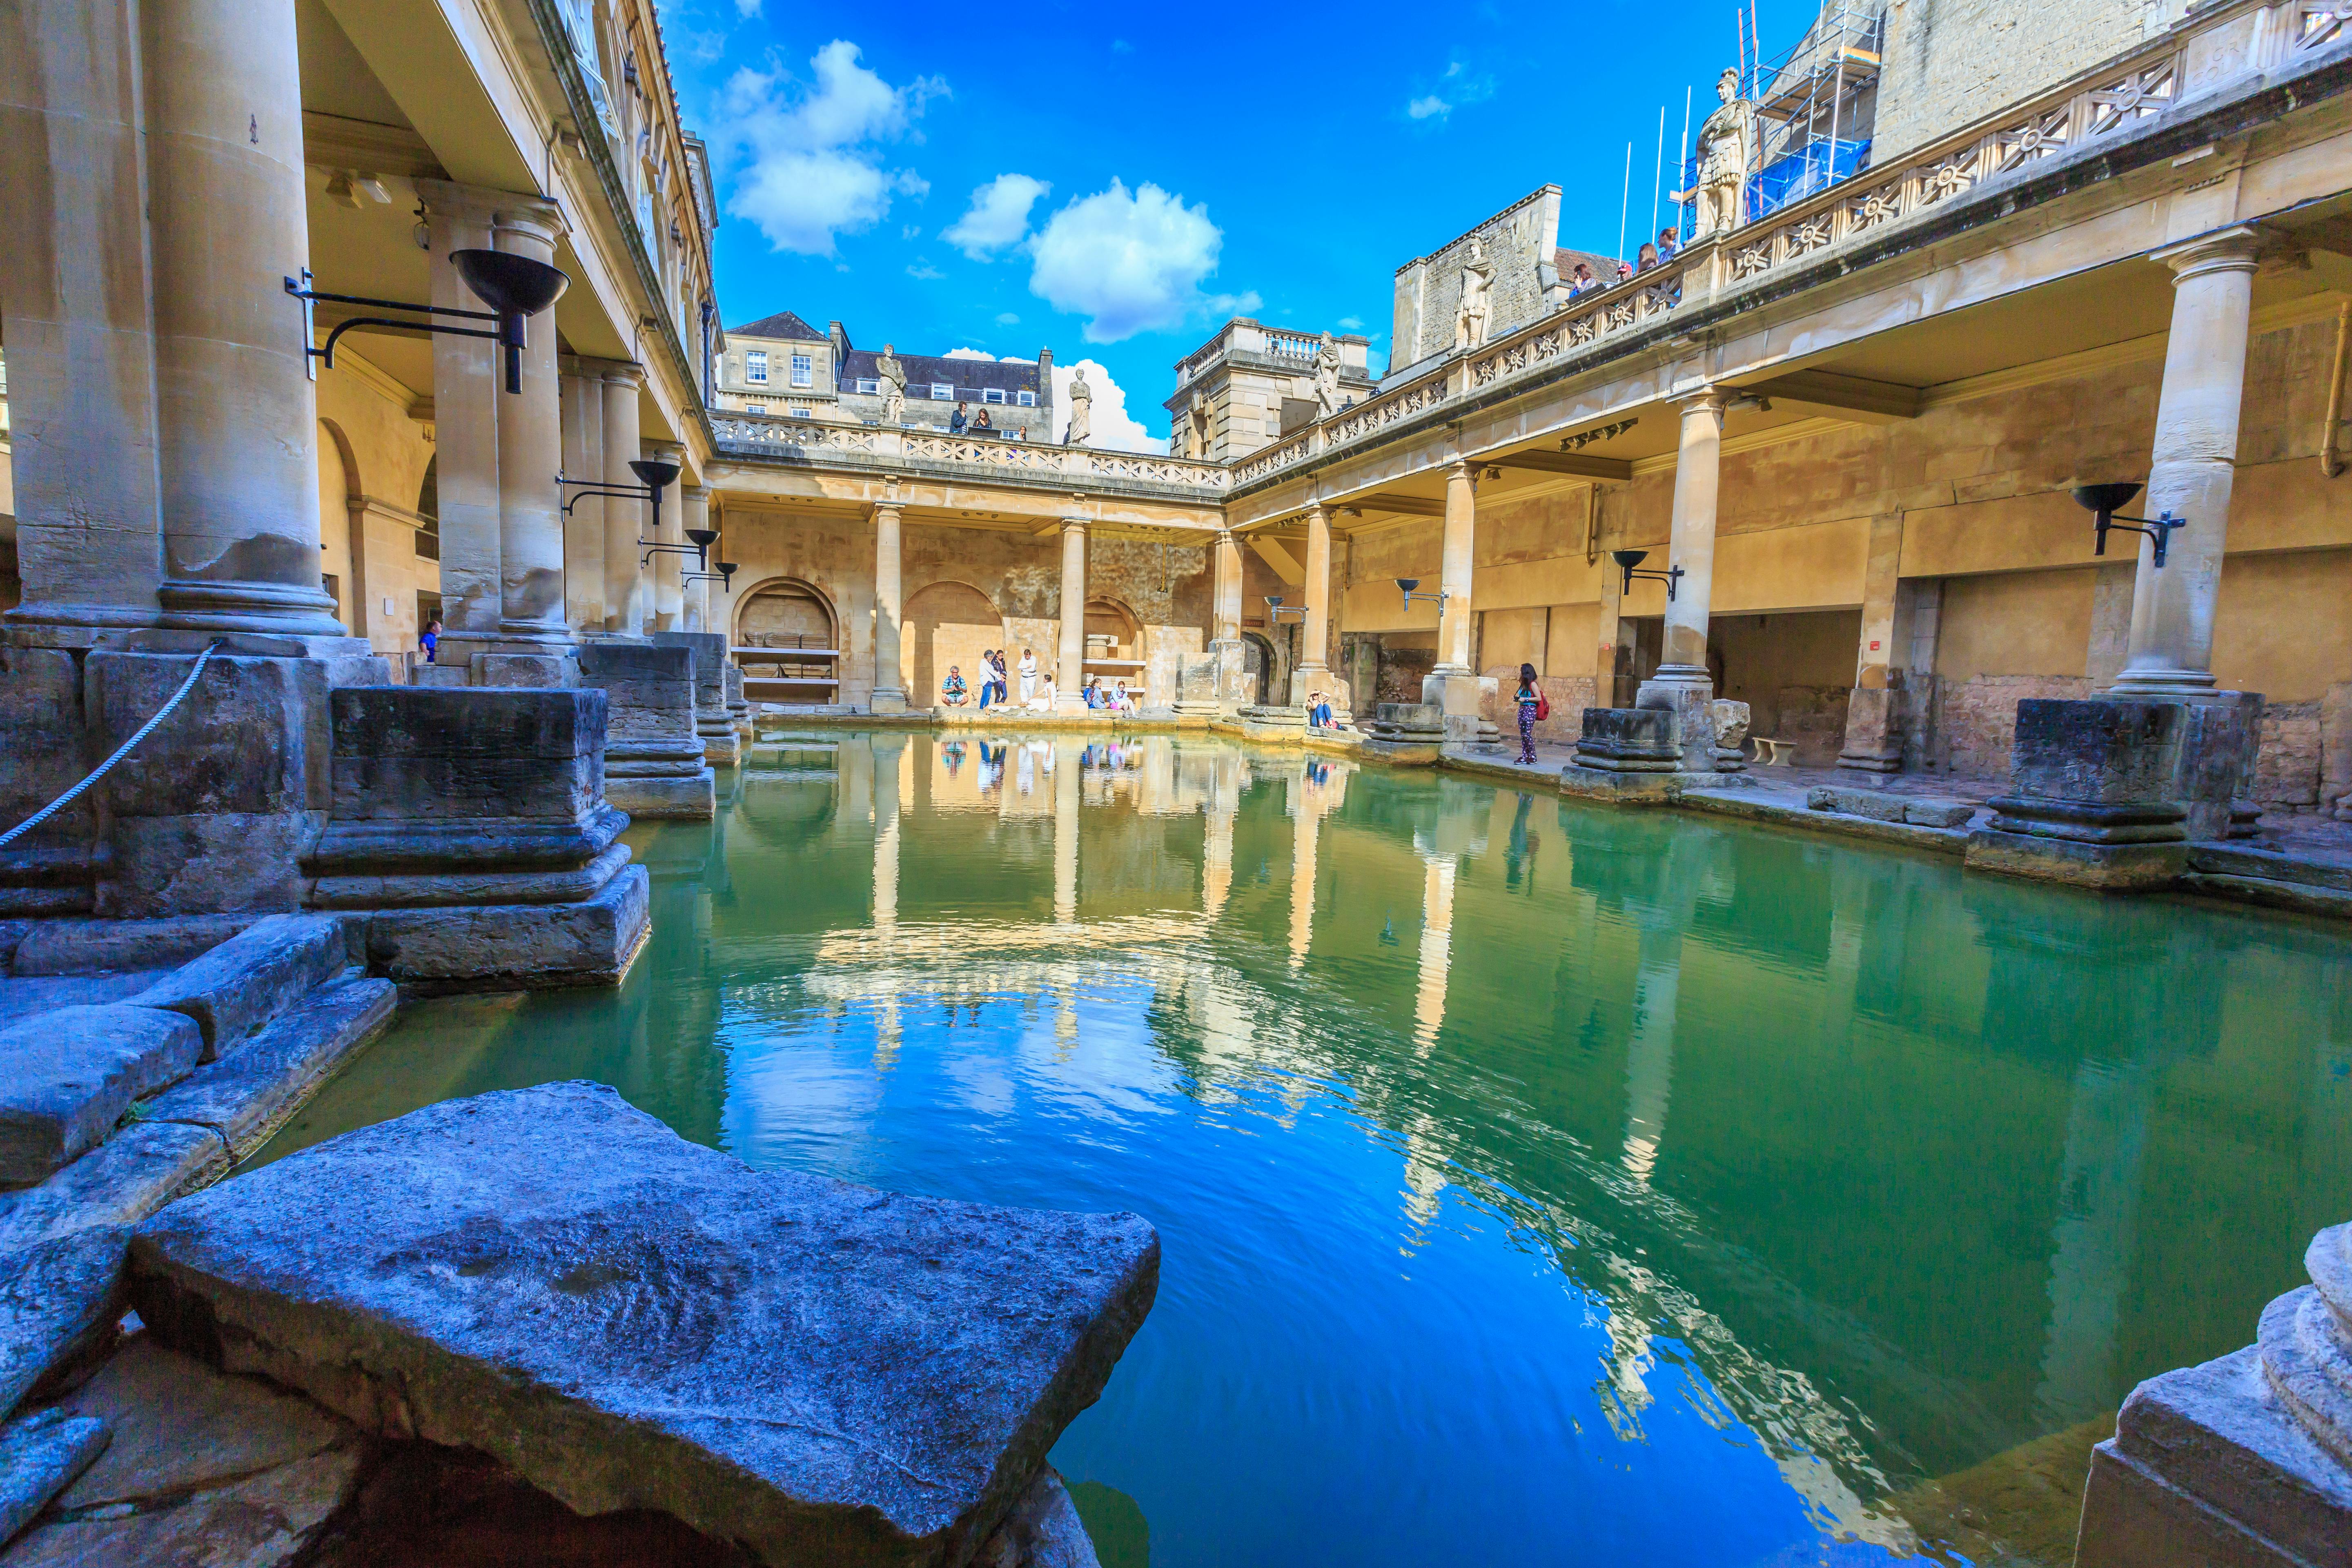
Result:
pixel 788 615
pixel 946 623
pixel 1258 667
pixel 1113 645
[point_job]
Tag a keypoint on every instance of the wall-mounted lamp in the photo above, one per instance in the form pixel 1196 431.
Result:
pixel 1628 559
pixel 1411 588
pixel 515 288
pixel 724 576
pixel 2103 499
pixel 657 476
pixel 1276 609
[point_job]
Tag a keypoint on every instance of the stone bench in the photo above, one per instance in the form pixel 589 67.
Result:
pixel 1774 753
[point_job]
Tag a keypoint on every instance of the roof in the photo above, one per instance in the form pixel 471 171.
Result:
pixel 1603 267
pixel 783 324
pixel 979 374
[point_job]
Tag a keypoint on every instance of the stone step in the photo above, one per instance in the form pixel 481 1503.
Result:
pixel 1887 805
pixel 237 987
pixel 67 1077
pixel 248 1094
pixel 2271 865
pixel 823 1372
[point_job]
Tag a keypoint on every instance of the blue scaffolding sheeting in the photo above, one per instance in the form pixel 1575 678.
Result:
pixel 1814 168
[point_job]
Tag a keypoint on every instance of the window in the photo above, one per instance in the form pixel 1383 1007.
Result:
pixel 804 369
pixel 922 389
pixel 755 366
pixel 992 395
pixel 943 391
pixel 1024 399
pixel 801 414
pixel 868 387
pixel 753 406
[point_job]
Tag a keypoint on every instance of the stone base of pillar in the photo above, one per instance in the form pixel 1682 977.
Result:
pixel 2245 1461
pixel 1874 738
pixel 1264 723
pixel 1634 756
pixel 1692 705
pixel 1730 735
pixel 1461 696
pixel 721 745
pixel 886 702
pixel 1309 678
pixel 1233 688
pixel 538 670
pixel 739 708
pixel 440 675
pixel 653 765
pixel 1406 733
pixel 2093 794
pixel 471 827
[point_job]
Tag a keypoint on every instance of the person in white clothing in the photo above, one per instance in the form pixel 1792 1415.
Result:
pixel 1028 678
pixel 1044 700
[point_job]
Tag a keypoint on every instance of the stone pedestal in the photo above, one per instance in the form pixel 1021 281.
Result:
pixel 493 667
pixel 2243 1462
pixel 2107 793
pixel 52 869
pixel 1692 703
pixel 1198 687
pixel 739 707
pixel 1405 732
pixel 653 755
pixel 720 744
pixel 1269 724
pixel 1730 735
pixel 472 826
pixel 1874 730
pixel 1631 754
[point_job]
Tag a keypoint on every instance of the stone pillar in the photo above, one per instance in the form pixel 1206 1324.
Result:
pixel 1874 729
pixel 626 609
pixel 1225 598
pixel 1436 948
pixel 887 752
pixel 75 291
pixel 653 762
pixel 1453 685
pixel 694 511
pixel 466 395
pixel 1613 655
pixel 530 453
pixel 668 568
pixel 584 524
pixel 1070 672
pixel 889 681
pixel 1683 683
pixel 1314 671
pixel 237 415
pixel 2194 462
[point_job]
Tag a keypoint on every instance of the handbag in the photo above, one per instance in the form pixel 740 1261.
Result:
pixel 1543 707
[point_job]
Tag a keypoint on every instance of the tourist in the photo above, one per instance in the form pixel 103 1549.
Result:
pixel 1646 258
pixel 1046 695
pixel 1669 242
pixel 1624 270
pixel 1532 707
pixel 1121 701
pixel 1093 691
pixel 1583 283
pixel 429 639
pixel 957 421
pixel 1028 678
pixel 987 675
pixel 996 669
pixel 952 689
pixel 983 425
pixel 1318 712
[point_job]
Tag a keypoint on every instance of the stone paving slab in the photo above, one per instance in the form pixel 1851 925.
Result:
pixel 823 1372
pixel 58 1298
pixel 236 988
pixel 248 1094
pixel 67 1077
pixel 40 1455
pixel 32 995
pixel 139 1170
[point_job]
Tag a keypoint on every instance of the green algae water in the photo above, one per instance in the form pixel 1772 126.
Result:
pixel 1536 1182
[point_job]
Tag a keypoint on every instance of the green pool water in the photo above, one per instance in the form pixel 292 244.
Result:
pixel 1536 1182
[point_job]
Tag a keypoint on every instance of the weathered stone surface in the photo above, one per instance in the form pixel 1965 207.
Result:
pixel 515 947
pixel 66 1079
pixel 58 1299
pixel 629 1321
pixel 1044 1531
pixel 40 1455
pixel 1630 740
pixel 524 670
pixel 653 757
pixel 90 947
pixel 410 754
pixel 131 1175
pixel 38 994
pixel 445 676
pixel 260 1521
pixel 247 1095
pixel 2112 866
pixel 240 985
pixel 1882 805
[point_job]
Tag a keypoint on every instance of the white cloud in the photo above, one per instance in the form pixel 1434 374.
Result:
pixel 1130 262
pixel 997 219
pixel 1008 319
pixel 1017 359
pixel 1423 108
pixel 1112 427
pixel 968 353
pixel 1353 324
pixel 923 272
pixel 813 161
pixel 747 10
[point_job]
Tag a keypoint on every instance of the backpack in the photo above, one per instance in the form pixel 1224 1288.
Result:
pixel 1543 706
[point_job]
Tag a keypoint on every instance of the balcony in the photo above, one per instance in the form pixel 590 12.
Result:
pixel 802 443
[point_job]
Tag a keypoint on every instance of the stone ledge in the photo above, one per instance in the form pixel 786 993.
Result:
pixel 247 1096
pixel 513 947
pixel 72 1074
pixel 237 987
pixel 2109 867
pixel 1752 805
pixel 1886 805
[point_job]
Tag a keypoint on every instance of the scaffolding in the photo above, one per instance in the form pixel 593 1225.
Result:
pixel 1816 105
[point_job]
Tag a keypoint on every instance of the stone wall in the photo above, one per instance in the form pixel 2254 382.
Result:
pixel 1950 62
pixel 1429 288
pixel 372 462
pixel 1975 720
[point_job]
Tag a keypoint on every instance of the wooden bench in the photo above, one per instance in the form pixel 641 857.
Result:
pixel 1774 754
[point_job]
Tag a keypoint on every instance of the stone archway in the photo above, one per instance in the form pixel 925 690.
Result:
pixel 343 528
pixel 788 615
pixel 1114 646
pixel 946 623
pixel 1257 669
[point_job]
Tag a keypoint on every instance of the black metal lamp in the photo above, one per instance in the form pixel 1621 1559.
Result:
pixel 515 288
pixel 1629 559
pixel 2103 499
pixel 1410 588
pixel 724 576
pixel 1276 609
pixel 657 475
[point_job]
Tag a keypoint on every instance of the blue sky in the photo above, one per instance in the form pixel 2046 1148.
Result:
pixel 1105 181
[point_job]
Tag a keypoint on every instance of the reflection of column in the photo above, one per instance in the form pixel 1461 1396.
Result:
pixel 2092 1244
pixel 1306 825
pixel 2195 462
pixel 1217 855
pixel 1314 673
pixel 1070 676
pixel 1436 948
pixel 584 525
pixel 1225 600
pixel 530 451
pixel 887 751
pixel 669 567
pixel 466 396
pixel 1698 478
pixel 236 417
pixel 624 516
pixel 1650 1055
pixel 889 684
pixel 1066 831
pixel 693 513
pixel 81 351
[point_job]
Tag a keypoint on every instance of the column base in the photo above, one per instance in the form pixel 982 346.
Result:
pixel 532 669
pixel 285 609
pixel 1406 733
pixel 1308 679
pixel 886 702
pixel 1691 699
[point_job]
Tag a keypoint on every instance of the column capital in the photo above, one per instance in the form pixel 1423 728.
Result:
pixel 894 507
pixel 618 372
pixel 529 217
pixel 2236 249
pixel 1073 525
pixel 1713 399
pixel 695 493
pixel 447 198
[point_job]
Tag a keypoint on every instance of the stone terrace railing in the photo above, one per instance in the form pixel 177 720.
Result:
pixel 802 442
pixel 2216 46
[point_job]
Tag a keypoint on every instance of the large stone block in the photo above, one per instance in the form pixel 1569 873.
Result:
pixel 551 946
pixel 238 987
pixel 410 753
pixel 66 1079
pixel 1693 708
pixel 40 1455
pixel 653 762
pixel 49 871
pixel 823 1372
pixel 247 1096
pixel 1630 740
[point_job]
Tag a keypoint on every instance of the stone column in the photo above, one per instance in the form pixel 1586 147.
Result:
pixel 1683 683
pixel 1453 683
pixel 1314 671
pixel 1306 828
pixel 465 393
pixel 694 511
pixel 530 453
pixel 1436 949
pixel 887 751
pixel 625 606
pixel 1226 596
pixel 1874 730
pixel 890 606
pixel 237 415
pixel 584 525
pixel 75 289
pixel 1070 674
pixel 2194 456
pixel 668 568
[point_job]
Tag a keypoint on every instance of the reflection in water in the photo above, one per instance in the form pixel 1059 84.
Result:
pixel 1952 1161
